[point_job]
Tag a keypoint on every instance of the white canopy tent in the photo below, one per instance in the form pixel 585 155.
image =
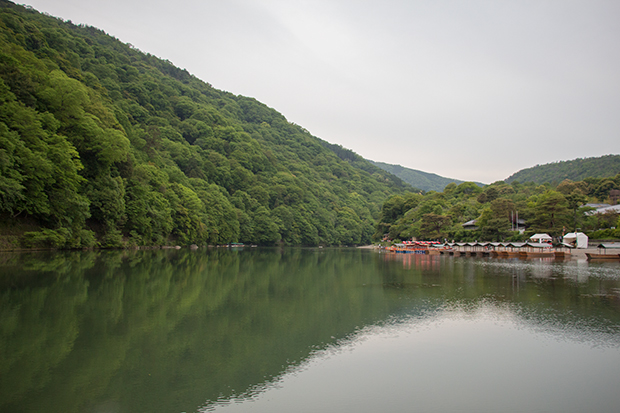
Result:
pixel 576 239
pixel 541 238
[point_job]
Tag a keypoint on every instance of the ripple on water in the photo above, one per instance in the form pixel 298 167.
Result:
pixel 577 270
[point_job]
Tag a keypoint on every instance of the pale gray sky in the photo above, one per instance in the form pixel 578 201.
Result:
pixel 473 90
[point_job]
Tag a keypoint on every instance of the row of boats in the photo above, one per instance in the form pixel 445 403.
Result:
pixel 502 249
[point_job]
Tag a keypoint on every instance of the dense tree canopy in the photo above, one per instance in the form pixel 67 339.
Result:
pixel 499 209
pixel 101 144
pixel 575 170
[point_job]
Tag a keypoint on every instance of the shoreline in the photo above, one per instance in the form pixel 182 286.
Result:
pixel 578 254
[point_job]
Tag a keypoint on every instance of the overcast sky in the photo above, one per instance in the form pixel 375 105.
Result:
pixel 471 89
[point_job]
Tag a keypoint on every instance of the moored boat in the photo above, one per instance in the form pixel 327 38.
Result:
pixel 415 247
pixel 610 257
pixel 536 250
pixel 614 246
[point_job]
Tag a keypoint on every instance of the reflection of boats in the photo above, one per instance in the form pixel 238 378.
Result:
pixel 605 255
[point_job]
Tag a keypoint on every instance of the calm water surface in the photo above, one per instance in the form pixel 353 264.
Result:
pixel 306 330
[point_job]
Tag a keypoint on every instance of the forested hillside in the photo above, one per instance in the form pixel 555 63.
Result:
pixel 492 211
pixel 103 145
pixel 575 170
pixel 418 179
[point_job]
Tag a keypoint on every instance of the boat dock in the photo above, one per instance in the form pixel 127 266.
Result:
pixel 523 250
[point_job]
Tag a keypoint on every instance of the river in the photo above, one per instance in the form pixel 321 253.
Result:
pixel 306 330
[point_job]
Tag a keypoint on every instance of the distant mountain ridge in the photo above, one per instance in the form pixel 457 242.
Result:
pixel 424 180
pixel 575 170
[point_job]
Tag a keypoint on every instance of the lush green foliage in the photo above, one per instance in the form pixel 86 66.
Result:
pixel 101 144
pixel 575 170
pixel 545 208
pixel 423 180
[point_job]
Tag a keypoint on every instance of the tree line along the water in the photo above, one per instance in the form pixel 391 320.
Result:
pixel 554 209
pixel 104 145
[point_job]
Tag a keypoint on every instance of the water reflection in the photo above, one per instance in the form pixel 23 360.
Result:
pixel 483 358
pixel 185 330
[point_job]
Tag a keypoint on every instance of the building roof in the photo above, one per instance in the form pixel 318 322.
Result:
pixel 537 245
pixel 610 208
pixel 610 245
pixel 541 236
pixel 574 235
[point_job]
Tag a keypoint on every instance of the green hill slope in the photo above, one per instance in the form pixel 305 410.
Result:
pixel 575 170
pixel 418 179
pixel 101 144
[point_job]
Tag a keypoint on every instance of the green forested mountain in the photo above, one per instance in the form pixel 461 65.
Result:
pixel 101 144
pixel 575 170
pixel 491 212
pixel 418 179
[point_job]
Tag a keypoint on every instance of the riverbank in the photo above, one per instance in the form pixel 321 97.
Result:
pixel 576 254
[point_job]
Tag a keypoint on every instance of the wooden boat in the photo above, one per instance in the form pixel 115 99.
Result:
pixel 536 250
pixel 562 253
pixel 407 249
pixel 416 247
pixel 608 257
pixel 604 256
pixel 512 250
pixel 537 254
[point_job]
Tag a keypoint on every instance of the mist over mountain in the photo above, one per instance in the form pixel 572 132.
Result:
pixel 418 179
pixel 555 172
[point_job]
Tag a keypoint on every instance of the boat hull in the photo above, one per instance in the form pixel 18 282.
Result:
pixel 607 257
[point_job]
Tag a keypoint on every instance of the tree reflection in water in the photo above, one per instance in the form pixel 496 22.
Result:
pixel 171 330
